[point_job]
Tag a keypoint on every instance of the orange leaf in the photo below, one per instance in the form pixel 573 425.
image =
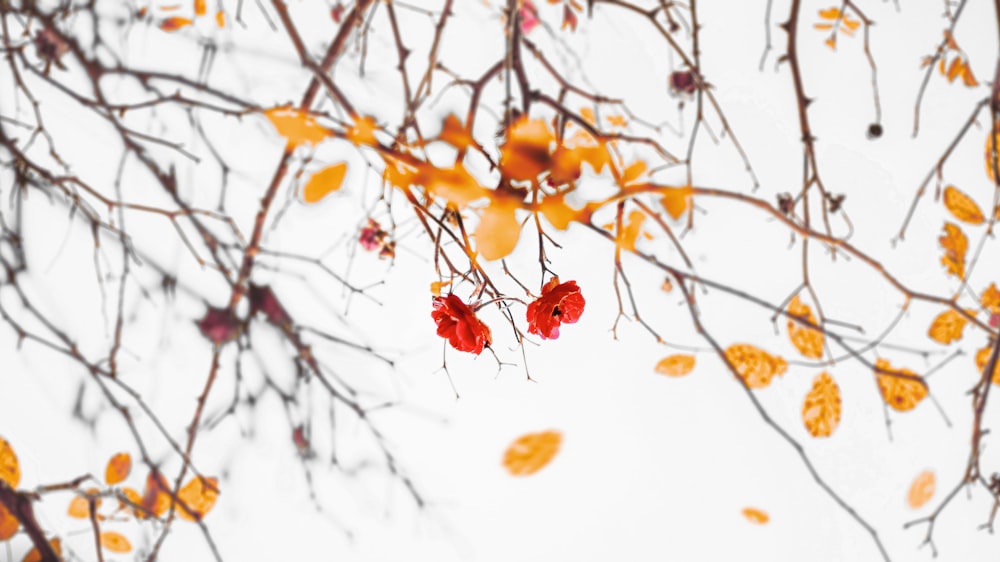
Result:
pixel 298 127
pixel 675 365
pixel 755 366
pixel 823 26
pixel 990 299
pixel 455 134
pixel 676 200
pixel 807 340
pixel 850 25
pixel 526 152
pixel 35 556
pixel 155 498
pixel 821 408
pixel 324 182
pixel 200 7
pixel 831 42
pixel 629 232
pixel 220 19
pixel 436 287
pixel 557 212
pixel 363 131
pixel 983 357
pixel 962 206
pixel 830 13
pixel 531 452
pixel 173 24
pixel 634 172
pixel 955 245
pixel 197 498
pixel 755 515
pixel 79 506
pixel 498 230
pixel 900 393
pixel 131 495
pixel 8 524
pixel 617 121
pixel 10 469
pixel 115 542
pixel 989 153
pixel 456 185
pixel 118 468
pixel 968 78
pixel 955 69
pixel 947 327
pixel 921 490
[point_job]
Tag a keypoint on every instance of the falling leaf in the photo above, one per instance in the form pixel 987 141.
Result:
pixel 118 468
pixel 947 327
pixel 808 341
pixel 525 155
pixel 197 498
pixel 821 408
pixel 35 556
pixel 755 366
pixel 921 490
pixel 756 516
pixel 983 357
pixel 530 453
pixel 115 542
pixel 298 127
pixel 173 24
pixel 676 200
pixel 498 230
pixel 10 469
pixel 955 245
pixel 900 393
pixel 962 207
pixel 324 182
pixel 675 365
pixel 8 524
pixel 155 498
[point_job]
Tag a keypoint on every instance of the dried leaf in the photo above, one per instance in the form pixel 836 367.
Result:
pixel 821 408
pixel 173 24
pixel 755 366
pixel 118 468
pixel 8 524
pixel 947 327
pixel 962 207
pixel 921 490
pixel 983 357
pixel 298 127
pixel 531 452
pixel 197 498
pixel 155 498
pixel 676 200
pixel 10 469
pixel 807 340
pixel 675 365
pixel 900 393
pixel 35 556
pixel 115 542
pixel 756 516
pixel 955 246
pixel 498 230
pixel 324 182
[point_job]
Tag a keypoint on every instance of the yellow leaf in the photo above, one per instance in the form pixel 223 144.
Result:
pixel 921 490
pixel 962 206
pixel 676 200
pixel 821 408
pixel 8 524
pixel 755 515
pixel 531 452
pixel 35 556
pixel 955 246
pixel 675 365
pixel 118 468
pixel 634 172
pixel 617 121
pixel 10 469
pixel 990 299
pixel 115 542
pixel 363 132
pixel 983 357
pixel 324 182
pixel 526 152
pixel 436 287
pixel 298 127
pixel 498 230
pixel 588 115
pixel 900 393
pixel 755 366
pixel 947 327
pixel 197 498
pixel 808 341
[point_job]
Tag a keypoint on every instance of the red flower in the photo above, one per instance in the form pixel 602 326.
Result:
pixel 457 322
pixel 559 304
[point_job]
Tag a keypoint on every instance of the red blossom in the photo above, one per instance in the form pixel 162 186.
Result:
pixel 458 323
pixel 559 304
